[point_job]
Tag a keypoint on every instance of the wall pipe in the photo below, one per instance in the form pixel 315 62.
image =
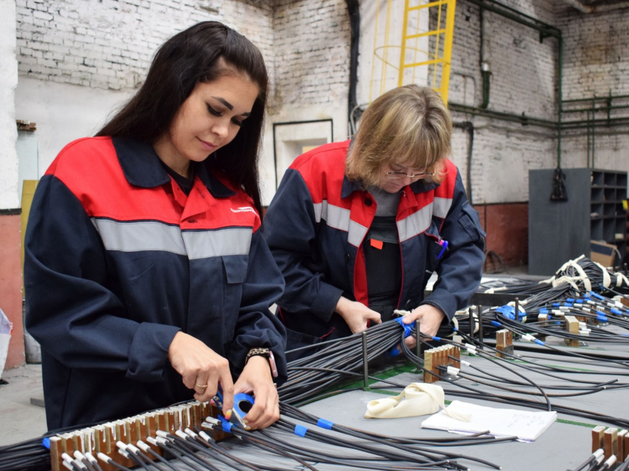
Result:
pixel 354 22
pixel 514 118
pixel 469 127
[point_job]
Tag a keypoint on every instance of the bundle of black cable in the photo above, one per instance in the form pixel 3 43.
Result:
pixel 341 361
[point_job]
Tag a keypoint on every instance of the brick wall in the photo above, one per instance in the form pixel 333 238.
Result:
pixel 108 44
pixel 522 81
pixel 596 64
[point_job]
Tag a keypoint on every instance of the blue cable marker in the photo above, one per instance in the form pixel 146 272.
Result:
pixel 46 442
pixel 598 296
pixel 227 425
pixel 496 323
pixel 300 430
pixel 444 246
pixel 408 330
pixel 539 342
pixel 326 424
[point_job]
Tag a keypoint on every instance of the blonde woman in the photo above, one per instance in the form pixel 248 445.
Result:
pixel 358 227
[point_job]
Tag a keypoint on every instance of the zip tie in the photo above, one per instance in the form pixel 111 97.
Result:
pixel 326 424
pixel 300 430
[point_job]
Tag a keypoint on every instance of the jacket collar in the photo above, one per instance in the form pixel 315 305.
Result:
pixel 141 167
pixel 417 187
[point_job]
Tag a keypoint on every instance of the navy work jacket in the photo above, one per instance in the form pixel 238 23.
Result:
pixel 119 259
pixel 316 225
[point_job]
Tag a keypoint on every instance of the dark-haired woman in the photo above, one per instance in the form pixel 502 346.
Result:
pixel 147 279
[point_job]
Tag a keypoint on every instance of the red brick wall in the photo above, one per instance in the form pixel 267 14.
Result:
pixel 11 285
pixel 506 226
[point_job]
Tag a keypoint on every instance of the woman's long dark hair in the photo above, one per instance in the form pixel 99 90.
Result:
pixel 190 57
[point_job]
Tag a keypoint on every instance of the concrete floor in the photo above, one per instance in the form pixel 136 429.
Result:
pixel 21 419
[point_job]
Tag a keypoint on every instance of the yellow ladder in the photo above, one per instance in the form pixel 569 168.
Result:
pixel 425 46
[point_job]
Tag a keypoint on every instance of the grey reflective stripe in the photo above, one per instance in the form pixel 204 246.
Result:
pixel 142 236
pixel 441 207
pixel 415 224
pixel 216 243
pixel 338 218
pixel 356 234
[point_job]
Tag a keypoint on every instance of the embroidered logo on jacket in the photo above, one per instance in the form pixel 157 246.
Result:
pixel 243 209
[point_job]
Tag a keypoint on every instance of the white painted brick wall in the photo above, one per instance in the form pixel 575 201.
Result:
pixel 109 44
pixel 596 63
pixel 311 52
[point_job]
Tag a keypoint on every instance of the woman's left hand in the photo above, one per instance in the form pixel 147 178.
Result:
pixel 429 317
pixel 256 379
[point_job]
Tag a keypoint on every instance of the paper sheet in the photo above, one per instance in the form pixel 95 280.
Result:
pixel 526 425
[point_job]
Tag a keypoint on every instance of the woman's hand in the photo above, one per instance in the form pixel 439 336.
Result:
pixel 201 369
pixel 429 317
pixel 356 315
pixel 256 379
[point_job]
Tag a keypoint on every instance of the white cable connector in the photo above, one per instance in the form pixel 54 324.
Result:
pixel 79 457
pixel 528 338
pixel 205 436
pixel 143 446
pixel 451 370
pixel 90 457
pixel 471 349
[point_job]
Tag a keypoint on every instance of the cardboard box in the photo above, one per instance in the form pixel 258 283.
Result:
pixel 602 253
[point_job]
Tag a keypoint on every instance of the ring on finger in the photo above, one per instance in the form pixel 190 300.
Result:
pixel 201 386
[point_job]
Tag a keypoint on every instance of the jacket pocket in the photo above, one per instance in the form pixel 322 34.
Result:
pixel 470 222
pixel 235 272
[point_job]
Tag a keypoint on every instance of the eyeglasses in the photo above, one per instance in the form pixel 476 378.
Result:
pixel 398 175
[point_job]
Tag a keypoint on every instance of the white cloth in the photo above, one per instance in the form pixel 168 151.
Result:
pixel 416 399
